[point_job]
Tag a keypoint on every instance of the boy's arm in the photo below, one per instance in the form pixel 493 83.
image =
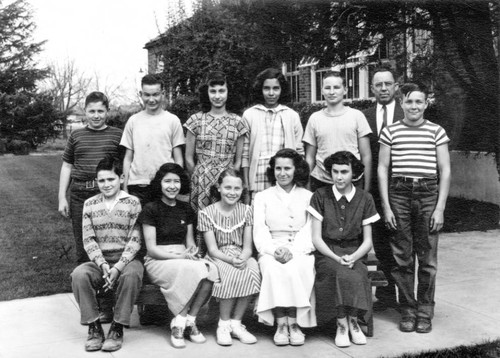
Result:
pixel 310 157
pixel 383 183
pixel 64 180
pixel 299 133
pixel 127 162
pixel 239 152
pixel 177 154
pixel 89 238
pixel 443 159
pixel 366 157
pixel 134 238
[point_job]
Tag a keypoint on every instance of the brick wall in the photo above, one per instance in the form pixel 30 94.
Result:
pixel 305 84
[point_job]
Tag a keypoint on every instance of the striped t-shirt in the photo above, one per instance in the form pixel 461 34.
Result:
pixel 86 147
pixel 413 149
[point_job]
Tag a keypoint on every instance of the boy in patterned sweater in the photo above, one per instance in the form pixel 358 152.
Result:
pixel 111 238
pixel 415 152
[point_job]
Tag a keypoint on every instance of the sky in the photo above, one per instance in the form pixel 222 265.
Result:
pixel 102 36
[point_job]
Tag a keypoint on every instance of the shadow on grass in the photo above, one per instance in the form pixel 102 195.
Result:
pixel 470 215
pixel 482 350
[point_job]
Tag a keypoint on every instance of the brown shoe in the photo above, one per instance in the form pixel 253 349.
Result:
pixel 407 324
pixel 95 337
pixel 115 338
pixel 424 325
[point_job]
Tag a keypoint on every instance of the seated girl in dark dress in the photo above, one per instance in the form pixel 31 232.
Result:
pixel 341 213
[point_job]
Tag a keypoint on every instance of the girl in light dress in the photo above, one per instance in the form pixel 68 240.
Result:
pixel 227 229
pixel 171 261
pixel 282 235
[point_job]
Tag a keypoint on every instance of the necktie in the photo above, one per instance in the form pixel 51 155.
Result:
pixel 384 117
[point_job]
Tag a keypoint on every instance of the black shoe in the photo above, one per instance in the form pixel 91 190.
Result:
pixel 95 338
pixel 424 325
pixel 407 324
pixel 115 338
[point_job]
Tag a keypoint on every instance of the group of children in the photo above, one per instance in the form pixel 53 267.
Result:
pixel 313 243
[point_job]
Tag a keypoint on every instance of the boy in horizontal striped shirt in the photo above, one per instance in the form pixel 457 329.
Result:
pixel 415 153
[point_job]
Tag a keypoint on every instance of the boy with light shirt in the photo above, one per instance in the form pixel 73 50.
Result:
pixel 336 128
pixel 111 237
pixel 151 137
pixel 84 149
pixel 415 153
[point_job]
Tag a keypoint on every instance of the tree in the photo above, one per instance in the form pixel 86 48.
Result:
pixel 24 113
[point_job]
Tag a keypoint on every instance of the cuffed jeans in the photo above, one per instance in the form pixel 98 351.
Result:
pixel 413 203
pixel 78 193
pixel 86 279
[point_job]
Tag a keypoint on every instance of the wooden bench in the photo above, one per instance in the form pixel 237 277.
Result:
pixel 151 295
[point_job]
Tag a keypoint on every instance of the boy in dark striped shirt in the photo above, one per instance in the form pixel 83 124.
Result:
pixel 415 152
pixel 84 149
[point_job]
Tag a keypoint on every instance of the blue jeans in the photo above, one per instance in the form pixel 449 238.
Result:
pixel 413 202
pixel 78 193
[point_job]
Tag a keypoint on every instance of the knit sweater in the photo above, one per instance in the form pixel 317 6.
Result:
pixel 111 236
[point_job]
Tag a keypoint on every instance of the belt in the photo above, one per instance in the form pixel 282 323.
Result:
pixel 89 184
pixel 412 180
pixel 343 243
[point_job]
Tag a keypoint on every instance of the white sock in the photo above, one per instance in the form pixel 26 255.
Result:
pixel 223 323
pixel 291 320
pixel 190 319
pixel 180 321
pixel 235 322
pixel 281 320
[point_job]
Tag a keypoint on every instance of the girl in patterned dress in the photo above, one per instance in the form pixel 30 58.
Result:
pixel 227 228
pixel 215 137
pixel 341 213
pixel 172 262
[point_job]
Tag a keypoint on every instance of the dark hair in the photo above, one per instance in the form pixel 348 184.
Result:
pixel 164 170
pixel 110 163
pixel 151 80
pixel 408 88
pixel 271 73
pixel 215 78
pixel 301 175
pixel 345 158
pixel 336 74
pixel 96 96
pixel 230 172
pixel 384 68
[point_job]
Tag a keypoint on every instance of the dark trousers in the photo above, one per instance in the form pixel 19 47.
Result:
pixel 413 203
pixel 78 193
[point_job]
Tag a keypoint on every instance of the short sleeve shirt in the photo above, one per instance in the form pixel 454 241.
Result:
pixel 342 219
pixel 333 133
pixel 171 222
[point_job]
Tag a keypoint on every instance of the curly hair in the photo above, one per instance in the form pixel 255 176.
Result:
pixel 345 158
pixel 217 78
pixel 164 170
pixel 301 175
pixel 214 192
pixel 271 73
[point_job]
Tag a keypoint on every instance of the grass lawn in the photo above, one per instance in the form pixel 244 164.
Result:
pixel 33 236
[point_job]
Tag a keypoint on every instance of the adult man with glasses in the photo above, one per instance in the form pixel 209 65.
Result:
pixel 386 111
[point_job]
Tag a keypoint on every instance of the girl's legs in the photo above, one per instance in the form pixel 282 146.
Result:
pixel 357 335
pixel 237 329
pixel 342 335
pixel 281 337
pixel 297 338
pixel 224 328
pixel 199 298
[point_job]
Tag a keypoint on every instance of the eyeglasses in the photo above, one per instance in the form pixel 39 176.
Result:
pixel 380 85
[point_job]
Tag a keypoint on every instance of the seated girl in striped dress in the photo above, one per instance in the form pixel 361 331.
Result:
pixel 172 262
pixel 227 229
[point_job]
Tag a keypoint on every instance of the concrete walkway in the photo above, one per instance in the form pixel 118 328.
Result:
pixel 467 312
